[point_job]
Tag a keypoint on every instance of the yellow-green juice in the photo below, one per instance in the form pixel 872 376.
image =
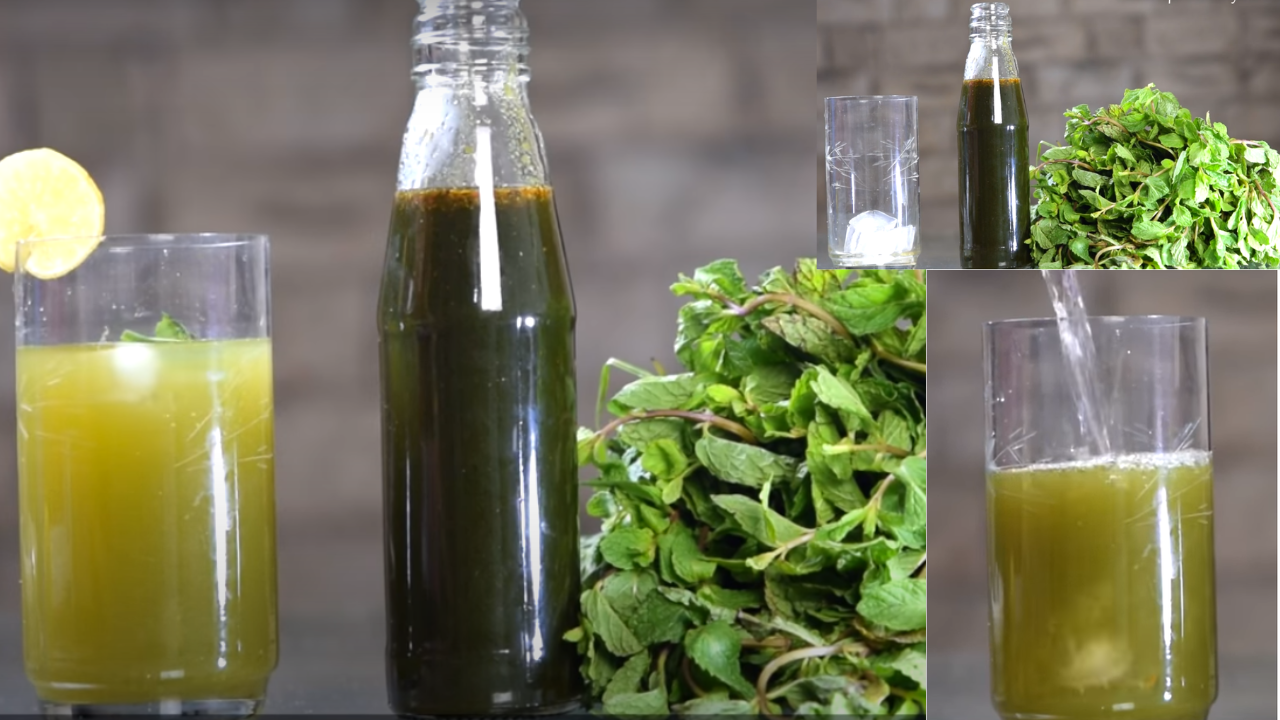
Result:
pixel 148 520
pixel 1102 589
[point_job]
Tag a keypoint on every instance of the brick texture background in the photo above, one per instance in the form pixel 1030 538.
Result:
pixel 1241 310
pixel 1215 55
pixel 678 132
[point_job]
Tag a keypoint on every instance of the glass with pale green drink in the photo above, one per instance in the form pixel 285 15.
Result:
pixel 1100 521
pixel 146 474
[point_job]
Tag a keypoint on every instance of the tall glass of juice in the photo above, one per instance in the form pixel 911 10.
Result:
pixel 1101 564
pixel 145 469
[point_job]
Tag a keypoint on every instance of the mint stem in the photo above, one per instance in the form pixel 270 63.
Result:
pixel 794 301
pixel 900 362
pixel 709 418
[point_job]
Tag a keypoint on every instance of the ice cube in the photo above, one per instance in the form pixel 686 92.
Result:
pixel 877 233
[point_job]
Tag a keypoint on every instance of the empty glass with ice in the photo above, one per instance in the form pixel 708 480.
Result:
pixel 873 183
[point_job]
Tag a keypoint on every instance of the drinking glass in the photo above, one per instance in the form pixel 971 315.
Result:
pixel 873 182
pixel 146 477
pixel 1100 566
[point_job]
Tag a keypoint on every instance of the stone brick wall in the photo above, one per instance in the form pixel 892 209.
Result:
pixel 1215 55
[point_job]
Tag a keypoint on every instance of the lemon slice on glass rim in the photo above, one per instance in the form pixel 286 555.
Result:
pixel 47 195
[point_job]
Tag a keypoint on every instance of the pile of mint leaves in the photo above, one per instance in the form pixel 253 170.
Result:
pixel 1143 184
pixel 763 542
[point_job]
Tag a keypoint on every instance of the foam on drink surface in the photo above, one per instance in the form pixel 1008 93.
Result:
pixel 1127 461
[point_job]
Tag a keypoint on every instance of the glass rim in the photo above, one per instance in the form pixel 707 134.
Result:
pixel 1137 321
pixel 140 240
pixel 870 98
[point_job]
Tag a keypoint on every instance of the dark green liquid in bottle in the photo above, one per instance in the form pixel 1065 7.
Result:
pixel 479 464
pixel 995 177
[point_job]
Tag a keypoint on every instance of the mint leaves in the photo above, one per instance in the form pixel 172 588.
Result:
pixel 1143 184
pixel 763 541
pixel 167 330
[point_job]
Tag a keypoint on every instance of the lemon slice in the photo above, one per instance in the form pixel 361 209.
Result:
pixel 45 194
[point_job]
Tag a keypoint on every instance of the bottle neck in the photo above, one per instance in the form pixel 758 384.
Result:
pixel 990 34
pixel 471 124
pixel 990 43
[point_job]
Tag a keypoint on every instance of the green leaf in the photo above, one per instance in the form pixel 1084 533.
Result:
pixel 650 617
pixel 1058 153
pixel 1080 247
pixel 652 703
pixel 769 384
pixel 910 661
pixel 866 309
pixel 762 523
pixel 1171 140
pixel 660 392
pixel 809 335
pixel 167 330
pixel 1157 187
pixel 628 677
pixel 724 276
pixel 838 394
pixel 628 548
pixel 640 433
pixel 714 648
pixel 1202 187
pixel 896 604
pixel 723 395
pixel 170 329
pixel 680 558
pixel 606 623
pixel 1148 230
pixel 1256 155
pixel 743 464
pixel 731 599
pixel 1089 179
pixel 904 564
pixel 1097 200
pixel 601 505
pixel 1039 232
pixel 664 458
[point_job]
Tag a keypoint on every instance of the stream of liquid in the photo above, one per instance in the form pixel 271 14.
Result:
pixel 1079 356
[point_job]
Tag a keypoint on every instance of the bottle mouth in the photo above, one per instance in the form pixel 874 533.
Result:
pixel 477 35
pixel 985 18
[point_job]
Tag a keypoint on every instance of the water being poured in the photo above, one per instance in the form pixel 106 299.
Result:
pixel 1080 358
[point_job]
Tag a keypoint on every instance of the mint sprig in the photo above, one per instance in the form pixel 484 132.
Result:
pixel 763 541
pixel 167 330
pixel 1143 184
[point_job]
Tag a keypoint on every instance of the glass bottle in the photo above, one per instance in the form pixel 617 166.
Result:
pixel 476 326
pixel 995 176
